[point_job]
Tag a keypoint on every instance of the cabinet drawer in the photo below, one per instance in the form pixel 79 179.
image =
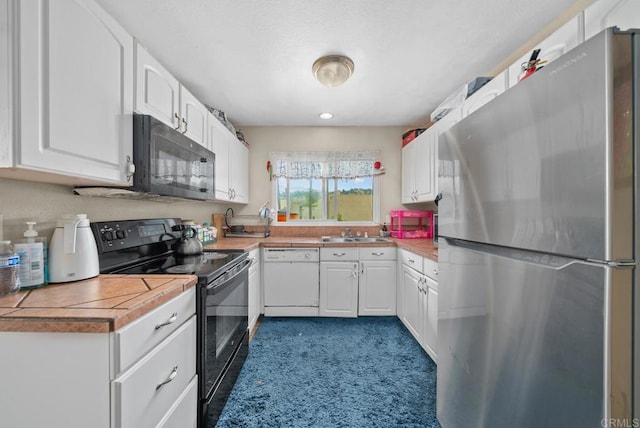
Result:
pixel 377 253
pixel 184 412
pixel 411 259
pixel 328 254
pixel 142 394
pixel 430 269
pixel 137 338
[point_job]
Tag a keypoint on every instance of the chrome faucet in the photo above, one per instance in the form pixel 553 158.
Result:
pixel 347 232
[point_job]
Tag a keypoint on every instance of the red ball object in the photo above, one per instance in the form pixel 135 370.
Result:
pixel 377 164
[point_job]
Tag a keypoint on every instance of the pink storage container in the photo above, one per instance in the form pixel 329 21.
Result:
pixel 412 224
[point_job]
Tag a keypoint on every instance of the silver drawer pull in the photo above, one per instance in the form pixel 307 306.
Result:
pixel 411 261
pixel 377 254
pixel 171 320
pixel 435 271
pixel 171 377
pixel 339 254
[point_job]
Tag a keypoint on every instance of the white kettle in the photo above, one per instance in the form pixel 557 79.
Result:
pixel 73 254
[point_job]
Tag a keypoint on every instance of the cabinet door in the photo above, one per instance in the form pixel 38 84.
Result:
pixel 558 43
pixel 377 288
pixel 411 302
pixel 157 91
pixel 408 174
pixel 219 140
pixel 239 171
pixel 426 166
pixel 486 94
pixel 339 289
pixel 194 117
pixel 430 318
pixel 602 14
pixel 76 86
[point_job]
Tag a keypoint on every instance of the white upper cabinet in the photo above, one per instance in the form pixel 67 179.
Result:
pixel 194 117
pixel 558 43
pixel 157 91
pixel 624 14
pixel 160 95
pixel 232 163
pixel 487 93
pixel 419 169
pixel 239 171
pixel 218 142
pixel 71 96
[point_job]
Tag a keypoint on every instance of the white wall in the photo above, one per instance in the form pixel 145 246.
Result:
pixel 263 140
pixel 22 201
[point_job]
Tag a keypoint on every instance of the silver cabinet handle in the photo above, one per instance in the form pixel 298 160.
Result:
pixel 362 268
pixel 411 261
pixel 171 377
pixel 377 254
pixel 179 124
pixel 354 273
pixel 171 320
pixel 185 125
pixel 435 271
pixel 339 254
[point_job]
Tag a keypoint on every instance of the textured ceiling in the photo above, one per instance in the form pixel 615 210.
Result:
pixel 252 58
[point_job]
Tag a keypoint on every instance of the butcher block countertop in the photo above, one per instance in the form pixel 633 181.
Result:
pixel 97 305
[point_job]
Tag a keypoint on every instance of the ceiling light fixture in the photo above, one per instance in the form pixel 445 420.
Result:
pixel 332 70
pixel 326 115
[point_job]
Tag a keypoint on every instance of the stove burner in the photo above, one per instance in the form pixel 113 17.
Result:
pixel 182 269
pixel 215 256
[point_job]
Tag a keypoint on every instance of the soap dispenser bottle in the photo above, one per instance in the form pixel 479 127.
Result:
pixel 32 250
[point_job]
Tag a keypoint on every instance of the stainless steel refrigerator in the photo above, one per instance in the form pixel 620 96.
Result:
pixel 537 248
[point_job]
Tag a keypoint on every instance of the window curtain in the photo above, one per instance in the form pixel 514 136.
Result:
pixel 324 164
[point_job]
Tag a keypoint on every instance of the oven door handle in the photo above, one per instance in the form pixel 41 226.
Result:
pixel 218 287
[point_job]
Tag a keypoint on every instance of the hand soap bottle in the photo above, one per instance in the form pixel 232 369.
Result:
pixel 32 250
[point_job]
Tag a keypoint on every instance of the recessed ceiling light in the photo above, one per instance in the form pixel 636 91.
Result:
pixel 326 115
pixel 333 70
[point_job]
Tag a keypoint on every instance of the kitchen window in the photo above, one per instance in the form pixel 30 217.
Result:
pixel 326 186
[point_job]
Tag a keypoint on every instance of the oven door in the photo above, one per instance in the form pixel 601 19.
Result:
pixel 224 322
pixel 170 164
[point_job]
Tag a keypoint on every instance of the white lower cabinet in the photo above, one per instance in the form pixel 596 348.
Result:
pixel 142 394
pixel 339 271
pixel 254 288
pixel 418 292
pixel 73 379
pixel 377 281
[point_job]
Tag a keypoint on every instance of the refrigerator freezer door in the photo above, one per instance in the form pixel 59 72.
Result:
pixel 521 341
pixel 548 165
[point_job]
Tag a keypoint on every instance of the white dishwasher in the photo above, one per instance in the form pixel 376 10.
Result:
pixel 291 280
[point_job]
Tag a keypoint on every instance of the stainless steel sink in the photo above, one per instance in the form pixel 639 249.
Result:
pixel 353 239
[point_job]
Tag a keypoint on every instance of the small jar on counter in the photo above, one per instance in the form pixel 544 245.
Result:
pixel 9 269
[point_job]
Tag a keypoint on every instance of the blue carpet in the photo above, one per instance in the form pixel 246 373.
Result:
pixel 333 372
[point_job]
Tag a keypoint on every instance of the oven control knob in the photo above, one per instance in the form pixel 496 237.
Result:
pixel 107 236
pixel 120 234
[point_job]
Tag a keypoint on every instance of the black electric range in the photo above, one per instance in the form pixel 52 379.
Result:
pixel 146 247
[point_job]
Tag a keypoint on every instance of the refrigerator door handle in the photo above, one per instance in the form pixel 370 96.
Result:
pixel 550 261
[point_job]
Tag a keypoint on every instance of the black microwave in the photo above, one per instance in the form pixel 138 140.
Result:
pixel 168 163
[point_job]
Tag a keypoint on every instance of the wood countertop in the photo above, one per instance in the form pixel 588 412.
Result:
pixel 97 305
